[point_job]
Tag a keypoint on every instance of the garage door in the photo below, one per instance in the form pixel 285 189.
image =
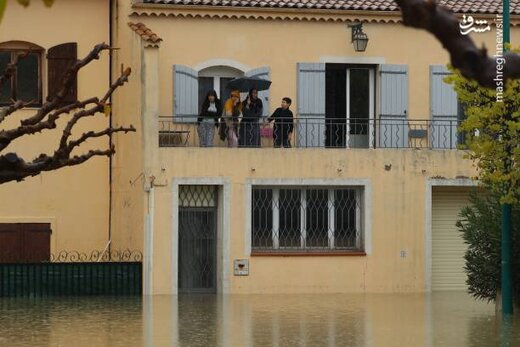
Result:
pixel 448 248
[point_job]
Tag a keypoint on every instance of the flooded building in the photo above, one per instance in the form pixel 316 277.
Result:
pixel 359 192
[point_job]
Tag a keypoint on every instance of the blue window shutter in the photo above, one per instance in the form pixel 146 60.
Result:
pixel 310 130
pixel 185 93
pixel 393 123
pixel 263 73
pixel 444 109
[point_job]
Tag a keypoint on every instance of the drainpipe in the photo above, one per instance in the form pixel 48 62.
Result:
pixel 148 240
pixel 111 12
pixel 150 136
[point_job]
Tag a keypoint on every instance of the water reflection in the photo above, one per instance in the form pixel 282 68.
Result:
pixel 71 322
pixel 440 319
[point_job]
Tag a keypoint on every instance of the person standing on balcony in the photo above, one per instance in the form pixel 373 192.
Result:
pixel 229 125
pixel 249 131
pixel 210 112
pixel 283 124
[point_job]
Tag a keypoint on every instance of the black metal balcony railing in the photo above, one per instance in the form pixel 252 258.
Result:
pixel 313 133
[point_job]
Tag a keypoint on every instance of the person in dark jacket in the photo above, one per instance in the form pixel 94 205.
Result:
pixel 283 124
pixel 249 131
pixel 210 112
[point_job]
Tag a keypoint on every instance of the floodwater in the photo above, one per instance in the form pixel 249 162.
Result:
pixel 400 320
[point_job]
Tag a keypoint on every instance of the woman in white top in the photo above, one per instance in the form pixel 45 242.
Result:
pixel 210 112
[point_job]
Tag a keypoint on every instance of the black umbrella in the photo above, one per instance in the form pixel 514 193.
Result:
pixel 245 84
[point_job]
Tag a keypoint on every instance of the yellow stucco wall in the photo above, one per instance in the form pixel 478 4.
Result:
pixel 398 206
pixel 74 200
pixel 128 204
pixel 398 196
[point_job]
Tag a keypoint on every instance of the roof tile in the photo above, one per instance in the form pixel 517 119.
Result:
pixel 146 33
pixel 458 6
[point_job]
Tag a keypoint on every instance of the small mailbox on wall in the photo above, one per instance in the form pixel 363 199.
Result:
pixel 241 267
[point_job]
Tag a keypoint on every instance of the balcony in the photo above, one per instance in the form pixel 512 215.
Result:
pixel 311 132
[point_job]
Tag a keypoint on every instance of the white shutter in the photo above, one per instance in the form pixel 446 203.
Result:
pixel 310 129
pixel 448 247
pixel 393 124
pixel 185 93
pixel 444 109
pixel 262 73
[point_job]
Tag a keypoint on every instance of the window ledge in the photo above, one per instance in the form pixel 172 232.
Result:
pixel 307 253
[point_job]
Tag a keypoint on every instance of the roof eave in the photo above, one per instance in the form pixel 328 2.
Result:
pixel 206 8
pixel 203 11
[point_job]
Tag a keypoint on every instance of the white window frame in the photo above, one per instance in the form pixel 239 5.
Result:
pixel 363 216
pixel 371 107
pixel 218 72
pixel 16 47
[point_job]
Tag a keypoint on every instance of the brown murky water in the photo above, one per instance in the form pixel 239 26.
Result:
pixel 439 319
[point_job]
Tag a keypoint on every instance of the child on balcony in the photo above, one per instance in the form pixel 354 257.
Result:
pixel 283 124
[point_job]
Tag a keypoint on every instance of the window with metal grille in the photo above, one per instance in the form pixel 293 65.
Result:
pixel 307 219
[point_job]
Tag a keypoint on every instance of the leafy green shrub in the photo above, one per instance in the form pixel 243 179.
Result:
pixel 480 225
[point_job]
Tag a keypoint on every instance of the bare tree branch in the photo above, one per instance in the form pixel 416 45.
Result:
pixel 472 62
pixel 93 134
pixel 7 136
pixel 68 80
pixel 10 69
pixel 98 108
pixel 118 83
pixel 72 122
pixel 15 168
pixel 8 110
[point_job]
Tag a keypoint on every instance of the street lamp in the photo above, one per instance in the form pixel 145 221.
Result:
pixel 359 38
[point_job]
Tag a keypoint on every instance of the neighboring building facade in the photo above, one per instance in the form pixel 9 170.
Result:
pixel 66 209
